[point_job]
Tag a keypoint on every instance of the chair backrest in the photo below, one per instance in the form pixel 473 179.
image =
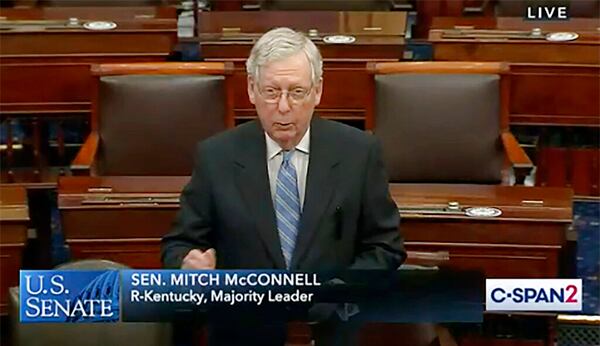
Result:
pixel 150 115
pixel 440 122
pixel 91 264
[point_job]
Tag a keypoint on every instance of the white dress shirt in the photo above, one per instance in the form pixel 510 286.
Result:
pixel 299 160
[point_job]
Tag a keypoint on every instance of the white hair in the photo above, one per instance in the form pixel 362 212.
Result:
pixel 281 43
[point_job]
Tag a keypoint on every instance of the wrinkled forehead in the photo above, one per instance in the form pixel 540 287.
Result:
pixel 294 69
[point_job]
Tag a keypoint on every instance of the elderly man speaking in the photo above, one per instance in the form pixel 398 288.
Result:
pixel 287 191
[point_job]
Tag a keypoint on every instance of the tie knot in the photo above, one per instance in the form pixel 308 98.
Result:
pixel 287 155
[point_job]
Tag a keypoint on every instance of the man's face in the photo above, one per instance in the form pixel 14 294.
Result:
pixel 285 98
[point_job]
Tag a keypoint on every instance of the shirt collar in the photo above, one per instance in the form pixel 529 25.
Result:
pixel 273 148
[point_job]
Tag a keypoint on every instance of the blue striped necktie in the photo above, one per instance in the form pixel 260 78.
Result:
pixel 287 207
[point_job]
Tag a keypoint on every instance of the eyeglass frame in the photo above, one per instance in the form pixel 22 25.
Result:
pixel 280 93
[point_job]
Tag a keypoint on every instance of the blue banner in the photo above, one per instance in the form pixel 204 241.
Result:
pixel 404 296
pixel 69 296
pixel 371 296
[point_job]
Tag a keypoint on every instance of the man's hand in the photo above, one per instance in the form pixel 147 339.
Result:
pixel 200 260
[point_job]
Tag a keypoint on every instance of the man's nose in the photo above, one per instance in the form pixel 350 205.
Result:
pixel 284 104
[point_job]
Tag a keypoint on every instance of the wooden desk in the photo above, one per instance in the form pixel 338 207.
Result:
pixel 88 12
pixel 510 39
pixel 229 36
pixel 14 219
pixel 45 64
pixel 552 83
pixel 118 218
pixel 525 241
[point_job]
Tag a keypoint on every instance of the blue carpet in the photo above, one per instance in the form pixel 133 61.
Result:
pixel 587 224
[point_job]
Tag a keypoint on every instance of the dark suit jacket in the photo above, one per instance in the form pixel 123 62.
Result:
pixel 348 220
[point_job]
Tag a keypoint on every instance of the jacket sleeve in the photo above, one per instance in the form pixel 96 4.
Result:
pixel 380 243
pixel 191 228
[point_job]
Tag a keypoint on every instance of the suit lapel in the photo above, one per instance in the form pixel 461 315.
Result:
pixel 252 180
pixel 320 185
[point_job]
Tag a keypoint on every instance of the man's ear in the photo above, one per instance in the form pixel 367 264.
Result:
pixel 318 92
pixel 251 93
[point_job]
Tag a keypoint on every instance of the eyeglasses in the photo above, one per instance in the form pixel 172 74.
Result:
pixel 295 96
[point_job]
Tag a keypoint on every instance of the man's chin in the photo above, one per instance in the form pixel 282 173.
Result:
pixel 285 140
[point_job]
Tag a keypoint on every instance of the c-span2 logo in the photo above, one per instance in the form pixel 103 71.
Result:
pixel 533 294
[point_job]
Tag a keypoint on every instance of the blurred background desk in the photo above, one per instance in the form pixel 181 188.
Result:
pixel 14 221
pixel 554 105
pixel 121 219
pixel 45 74
pixel 380 36
pixel 512 39
pixel 526 240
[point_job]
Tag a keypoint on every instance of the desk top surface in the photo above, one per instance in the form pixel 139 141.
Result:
pixel 514 202
pixel 89 13
pixel 72 19
pixel 247 26
pixel 511 30
pixel 121 184
pixel 515 23
pixel 414 200
pixel 13 203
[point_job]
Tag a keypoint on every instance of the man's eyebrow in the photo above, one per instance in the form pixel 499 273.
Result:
pixel 295 86
pixel 292 86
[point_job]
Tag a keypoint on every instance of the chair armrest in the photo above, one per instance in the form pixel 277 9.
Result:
pixel 427 259
pixel 86 156
pixel 519 160
pixel 516 154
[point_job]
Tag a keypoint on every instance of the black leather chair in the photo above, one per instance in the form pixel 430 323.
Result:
pixel 148 117
pixel 445 122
